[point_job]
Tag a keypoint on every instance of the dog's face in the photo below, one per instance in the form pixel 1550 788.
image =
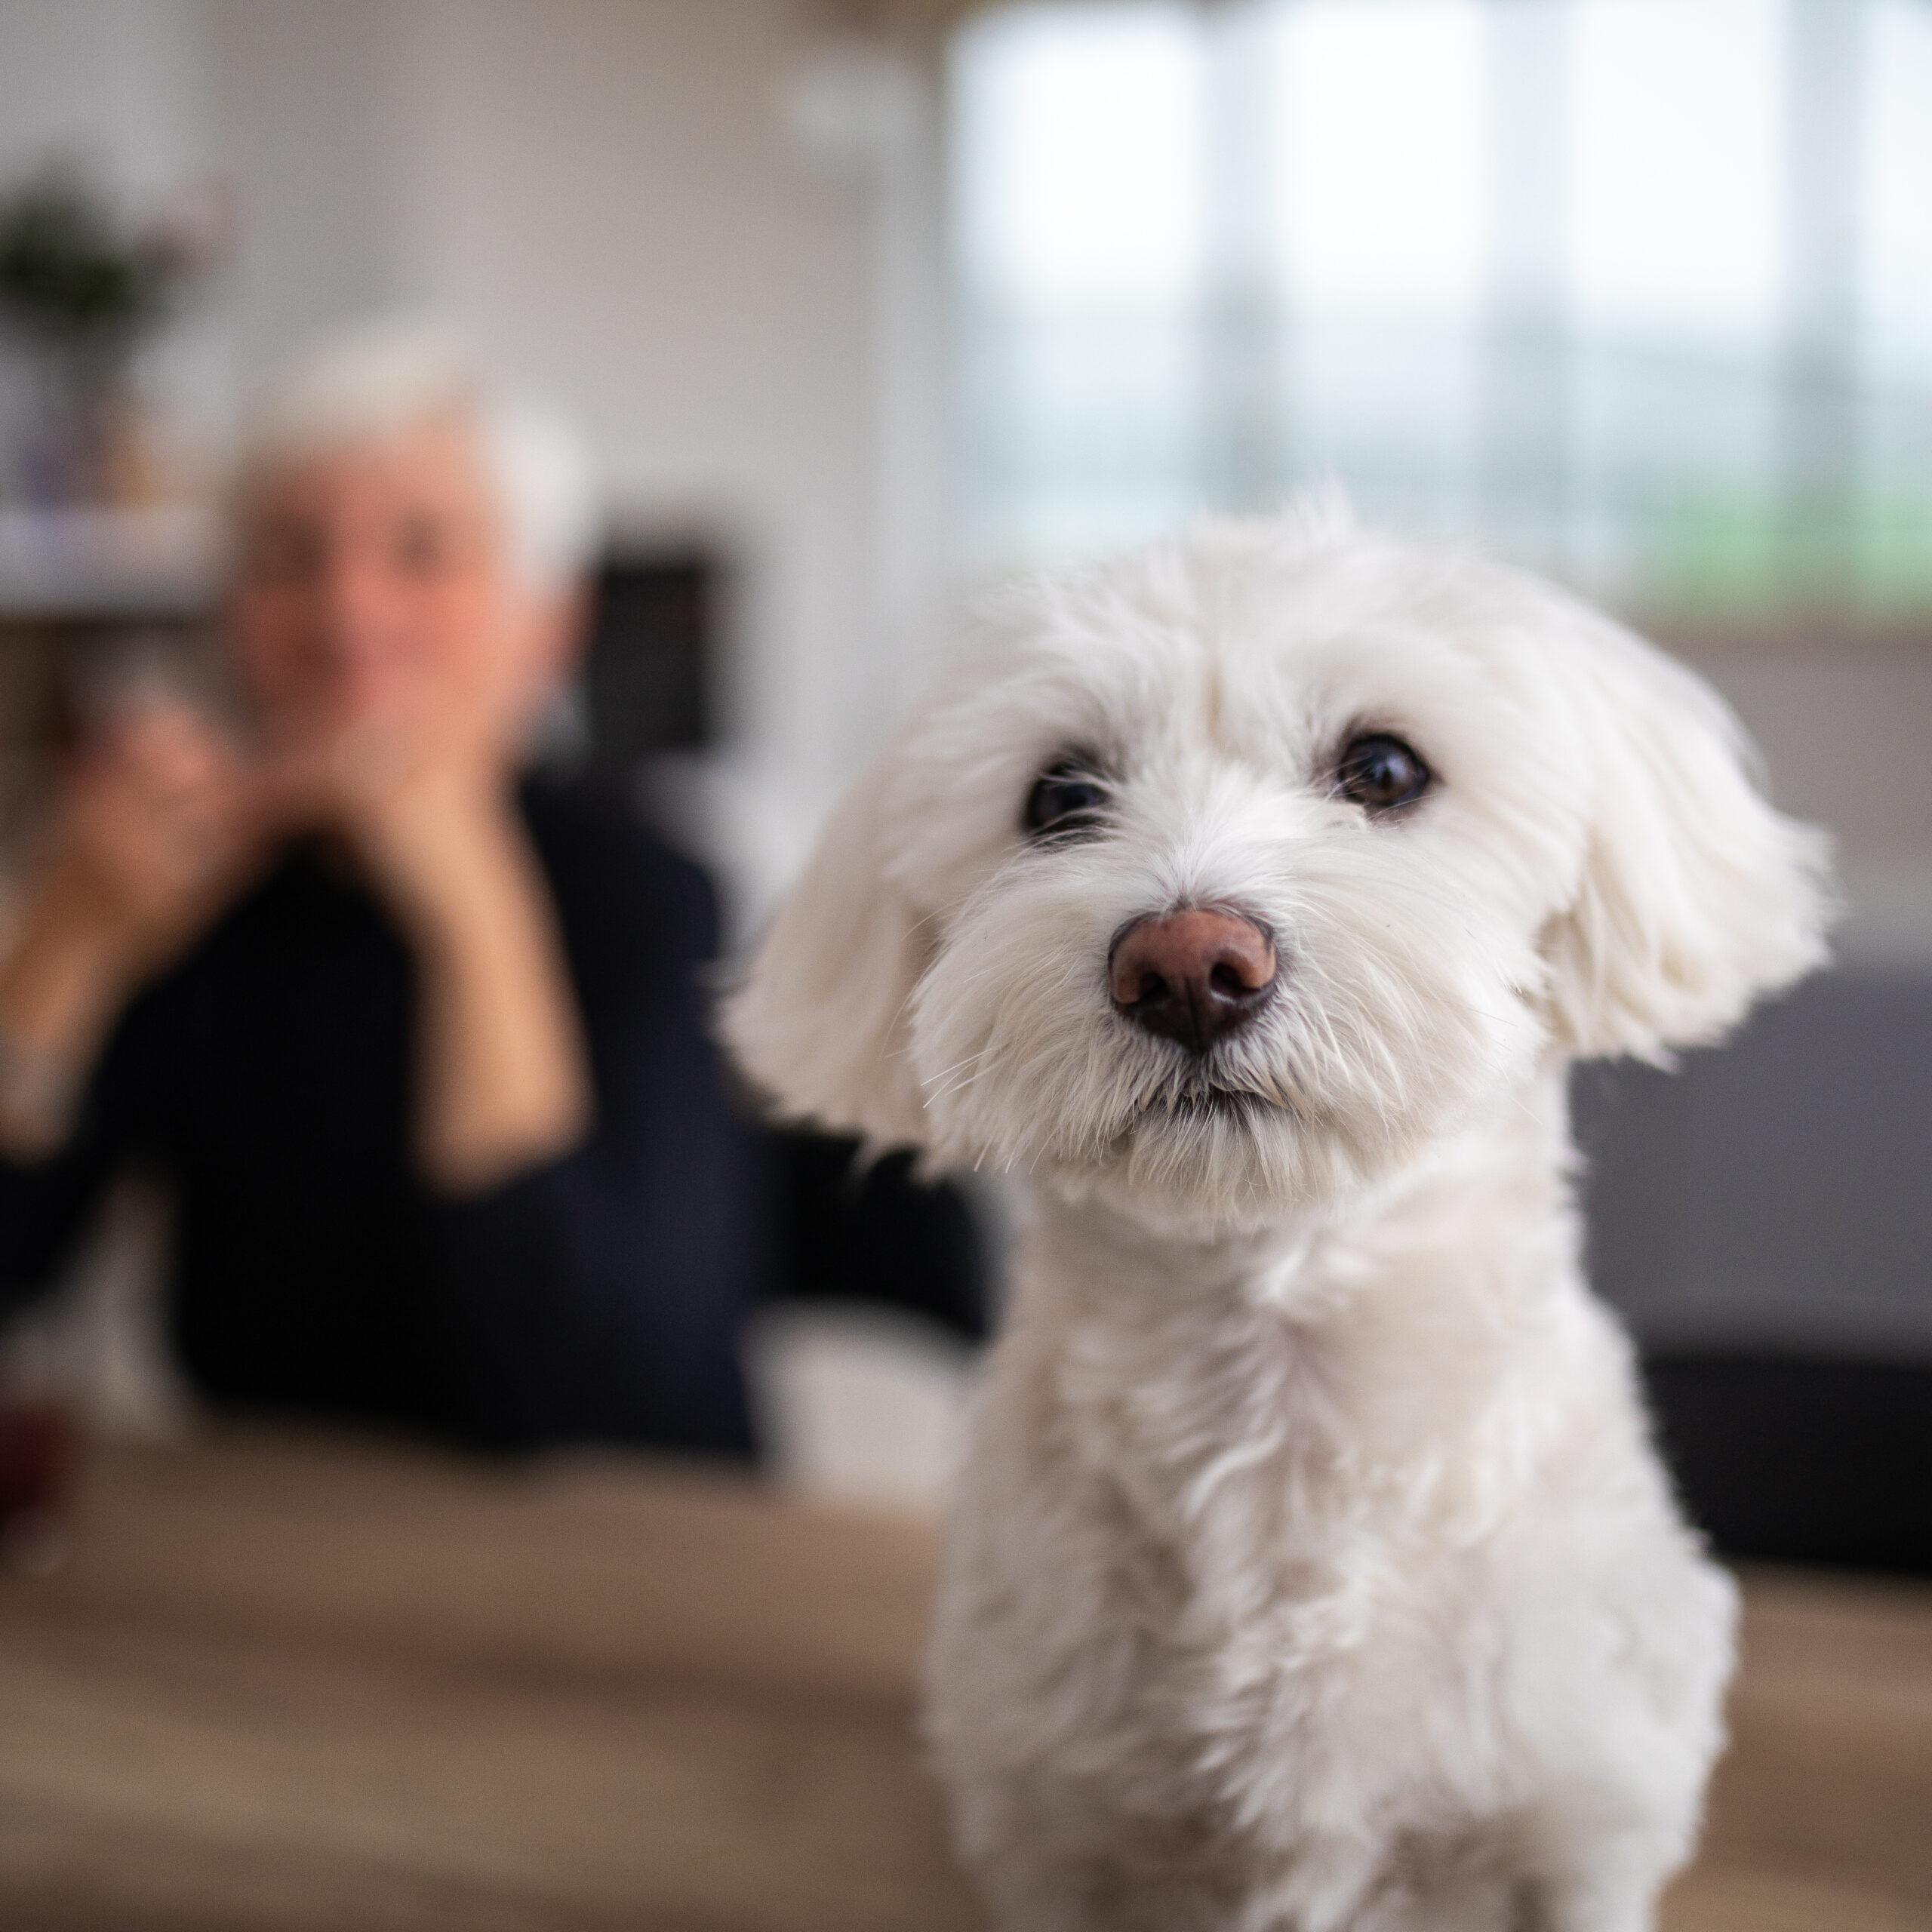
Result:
pixel 1235 872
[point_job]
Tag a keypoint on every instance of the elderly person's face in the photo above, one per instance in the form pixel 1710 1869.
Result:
pixel 377 581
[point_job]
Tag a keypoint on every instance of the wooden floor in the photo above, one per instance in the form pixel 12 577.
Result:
pixel 289 1684
pixel 1821 1814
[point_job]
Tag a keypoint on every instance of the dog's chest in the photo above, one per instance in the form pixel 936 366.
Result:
pixel 1230 1522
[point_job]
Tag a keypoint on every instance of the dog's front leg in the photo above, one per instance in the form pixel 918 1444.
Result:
pixel 1102 1894
pixel 1614 1890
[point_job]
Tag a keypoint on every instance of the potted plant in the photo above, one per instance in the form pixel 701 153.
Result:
pixel 82 292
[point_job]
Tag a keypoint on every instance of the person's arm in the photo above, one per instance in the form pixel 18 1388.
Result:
pixel 598 1294
pixel 48 1192
pixel 502 1082
pixel 61 985
pixel 145 845
pixel 148 841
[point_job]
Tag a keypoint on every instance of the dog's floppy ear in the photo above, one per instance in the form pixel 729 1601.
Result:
pixel 1696 895
pixel 820 1021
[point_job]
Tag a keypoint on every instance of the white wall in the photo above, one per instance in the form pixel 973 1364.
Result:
pixel 307 107
pixel 1843 734
pixel 121 82
pixel 611 191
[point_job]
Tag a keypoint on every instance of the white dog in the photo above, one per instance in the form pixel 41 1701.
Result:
pixel 1311 1567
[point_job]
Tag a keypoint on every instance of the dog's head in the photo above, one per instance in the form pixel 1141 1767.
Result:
pixel 1234 870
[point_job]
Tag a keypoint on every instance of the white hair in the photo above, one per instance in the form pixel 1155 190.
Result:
pixel 383 378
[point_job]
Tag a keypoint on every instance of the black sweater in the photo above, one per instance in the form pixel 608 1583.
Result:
pixel 267 1077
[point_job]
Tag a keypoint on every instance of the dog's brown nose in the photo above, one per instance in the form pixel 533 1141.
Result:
pixel 1192 976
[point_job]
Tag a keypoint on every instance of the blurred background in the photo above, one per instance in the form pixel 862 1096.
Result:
pixel 866 304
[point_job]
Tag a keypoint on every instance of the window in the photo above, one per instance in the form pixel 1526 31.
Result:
pixel 1638 291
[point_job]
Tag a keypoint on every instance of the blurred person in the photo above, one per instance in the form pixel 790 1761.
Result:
pixel 416 1038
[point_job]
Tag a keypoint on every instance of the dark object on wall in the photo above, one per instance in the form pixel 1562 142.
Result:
pixel 1764 1219
pixel 654 646
pixel 1798 1460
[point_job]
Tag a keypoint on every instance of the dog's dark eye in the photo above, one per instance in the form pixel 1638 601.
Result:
pixel 1380 771
pixel 1065 798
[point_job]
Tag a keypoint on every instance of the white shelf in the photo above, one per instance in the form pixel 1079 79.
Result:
pixel 106 563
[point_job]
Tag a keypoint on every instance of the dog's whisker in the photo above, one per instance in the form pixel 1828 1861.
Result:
pixel 933 1079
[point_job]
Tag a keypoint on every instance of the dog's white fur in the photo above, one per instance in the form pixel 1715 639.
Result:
pixel 1311 1568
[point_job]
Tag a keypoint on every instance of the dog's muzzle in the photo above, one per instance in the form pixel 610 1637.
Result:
pixel 1192 976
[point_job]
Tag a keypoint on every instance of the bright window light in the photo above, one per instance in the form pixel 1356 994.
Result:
pixel 1897 172
pixel 1676 183
pixel 1519 270
pixel 1378 136
pixel 1080 156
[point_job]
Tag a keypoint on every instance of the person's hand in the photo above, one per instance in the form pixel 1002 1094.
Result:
pixel 154 828
pixel 422 806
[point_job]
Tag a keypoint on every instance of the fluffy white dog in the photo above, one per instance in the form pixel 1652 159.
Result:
pixel 1311 1567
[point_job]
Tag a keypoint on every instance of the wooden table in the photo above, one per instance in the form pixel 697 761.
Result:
pixel 289 1683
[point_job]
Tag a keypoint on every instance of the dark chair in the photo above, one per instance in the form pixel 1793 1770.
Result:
pixel 1764 1218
